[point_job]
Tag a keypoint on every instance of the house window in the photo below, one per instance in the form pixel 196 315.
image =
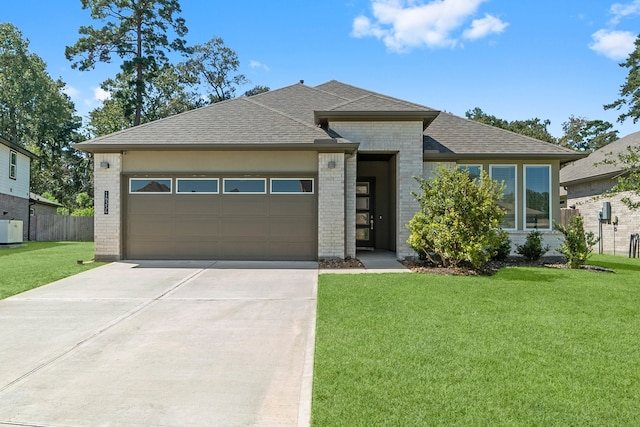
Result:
pixel 537 196
pixel 13 164
pixel 507 174
pixel 474 170
pixel 197 185
pixel 150 185
pixel 291 185
pixel 245 185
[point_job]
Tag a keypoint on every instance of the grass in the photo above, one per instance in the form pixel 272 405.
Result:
pixel 40 263
pixel 526 347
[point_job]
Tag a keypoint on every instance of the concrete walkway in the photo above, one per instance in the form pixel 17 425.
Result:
pixel 171 344
pixel 378 261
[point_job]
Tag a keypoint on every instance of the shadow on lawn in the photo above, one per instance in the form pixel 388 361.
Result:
pixel 616 266
pixel 530 275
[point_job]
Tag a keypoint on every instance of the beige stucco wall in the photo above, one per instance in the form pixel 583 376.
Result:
pixel 220 161
pixel 588 200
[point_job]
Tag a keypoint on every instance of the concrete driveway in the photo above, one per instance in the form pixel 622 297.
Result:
pixel 162 343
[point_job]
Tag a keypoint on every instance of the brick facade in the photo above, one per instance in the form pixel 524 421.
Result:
pixel 331 206
pixel 405 139
pixel 588 200
pixel 107 223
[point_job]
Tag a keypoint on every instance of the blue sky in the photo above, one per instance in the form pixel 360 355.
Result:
pixel 514 59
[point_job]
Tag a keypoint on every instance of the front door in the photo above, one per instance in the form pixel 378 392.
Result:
pixel 365 226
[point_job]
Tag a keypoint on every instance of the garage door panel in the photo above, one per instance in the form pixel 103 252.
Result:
pixel 303 205
pixel 221 226
pixel 244 205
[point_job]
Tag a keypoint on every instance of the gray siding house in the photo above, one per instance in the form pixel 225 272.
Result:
pixel 301 173
pixel 587 182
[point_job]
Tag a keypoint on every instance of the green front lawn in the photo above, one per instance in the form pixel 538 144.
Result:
pixel 528 346
pixel 40 263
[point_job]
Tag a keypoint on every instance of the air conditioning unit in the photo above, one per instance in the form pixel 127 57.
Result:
pixel 10 232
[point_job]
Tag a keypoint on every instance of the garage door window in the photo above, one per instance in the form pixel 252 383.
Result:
pixel 291 185
pixel 245 185
pixel 197 186
pixel 150 185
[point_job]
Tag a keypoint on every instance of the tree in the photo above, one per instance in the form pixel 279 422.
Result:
pixel 459 218
pixel 36 114
pixel 257 90
pixel 534 128
pixel 629 179
pixel 136 31
pixel 630 90
pixel 211 65
pixel 586 135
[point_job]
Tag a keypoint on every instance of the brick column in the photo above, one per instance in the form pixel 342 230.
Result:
pixel 107 226
pixel 331 205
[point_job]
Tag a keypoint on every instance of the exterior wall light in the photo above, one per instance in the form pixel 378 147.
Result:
pixel 332 164
pixel 104 164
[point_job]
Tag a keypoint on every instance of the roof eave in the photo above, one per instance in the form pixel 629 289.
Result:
pixel 563 157
pixel 323 145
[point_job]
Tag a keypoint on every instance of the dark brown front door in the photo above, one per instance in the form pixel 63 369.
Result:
pixel 365 226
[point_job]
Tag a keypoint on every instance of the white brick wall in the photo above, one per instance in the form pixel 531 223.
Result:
pixel 351 163
pixel 107 227
pixel 553 239
pixel 331 206
pixel 405 139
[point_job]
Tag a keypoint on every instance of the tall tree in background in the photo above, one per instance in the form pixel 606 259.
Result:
pixel 586 135
pixel 534 128
pixel 36 114
pixel 136 31
pixel 212 66
pixel 630 90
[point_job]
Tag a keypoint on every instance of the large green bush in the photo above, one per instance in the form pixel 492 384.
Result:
pixel 577 244
pixel 459 218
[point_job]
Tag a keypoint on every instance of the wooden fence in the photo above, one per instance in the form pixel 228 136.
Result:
pixel 61 228
pixel 566 214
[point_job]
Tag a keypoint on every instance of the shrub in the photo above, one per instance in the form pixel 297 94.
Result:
pixel 532 249
pixel 459 218
pixel 577 244
pixel 502 246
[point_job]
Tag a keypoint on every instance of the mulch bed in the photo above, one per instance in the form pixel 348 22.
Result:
pixel 341 263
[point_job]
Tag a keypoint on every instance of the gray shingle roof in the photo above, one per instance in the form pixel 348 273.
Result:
pixel 588 168
pixel 450 135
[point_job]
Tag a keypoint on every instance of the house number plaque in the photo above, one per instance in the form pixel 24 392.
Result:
pixel 106 202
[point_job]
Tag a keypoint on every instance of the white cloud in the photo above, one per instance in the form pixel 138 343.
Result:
pixel 613 44
pixel 71 91
pixel 483 27
pixel 406 24
pixel 256 64
pixel 621 10
pixel 100 94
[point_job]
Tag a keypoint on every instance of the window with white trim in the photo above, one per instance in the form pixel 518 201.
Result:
pixel 291 185
pixel 13 164
pixel 197 186
pixel 474 170
pixel 537 197
pixel 507 174
pixel 244 185
pixel 150 185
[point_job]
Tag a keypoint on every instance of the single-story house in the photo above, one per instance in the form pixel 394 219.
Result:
pixel 587 182
pixel 42 206
pixel 301 173
pixel 15 176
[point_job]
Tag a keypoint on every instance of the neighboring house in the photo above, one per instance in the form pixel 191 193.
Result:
pixel 586 182
pixel 41 206
pixel 301 173
pixel 15 175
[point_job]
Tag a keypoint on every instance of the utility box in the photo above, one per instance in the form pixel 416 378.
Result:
pixel 606 212
pixel 10 232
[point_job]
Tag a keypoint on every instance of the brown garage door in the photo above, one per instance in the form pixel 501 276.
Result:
pixel 270 218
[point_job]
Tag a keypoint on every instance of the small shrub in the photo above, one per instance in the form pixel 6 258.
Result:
pixel 577 244
pixel 532 249
pixel 502 247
